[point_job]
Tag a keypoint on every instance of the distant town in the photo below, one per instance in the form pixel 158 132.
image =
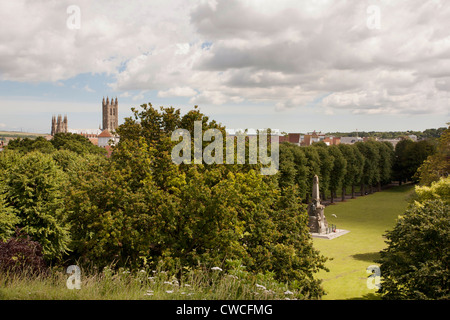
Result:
pixel 105 135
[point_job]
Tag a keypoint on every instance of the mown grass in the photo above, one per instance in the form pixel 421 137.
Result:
pixel 367 218
pixel 209 284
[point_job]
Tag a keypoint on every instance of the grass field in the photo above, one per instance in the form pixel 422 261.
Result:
pixel 367 218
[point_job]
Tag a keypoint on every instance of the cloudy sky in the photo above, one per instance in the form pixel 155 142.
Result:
pixel 297 66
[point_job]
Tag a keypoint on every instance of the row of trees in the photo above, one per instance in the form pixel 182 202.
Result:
pixel 342 167
pixel 426 134
pixel 364 165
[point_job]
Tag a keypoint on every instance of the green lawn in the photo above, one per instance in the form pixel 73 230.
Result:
pixel 367 218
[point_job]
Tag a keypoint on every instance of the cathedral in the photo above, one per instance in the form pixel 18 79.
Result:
pixel 59 125
pixel 110 118
pixel 110 114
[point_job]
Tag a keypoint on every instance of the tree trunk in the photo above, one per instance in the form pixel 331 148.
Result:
pixel 379 186
pixel 332 196
pixel 362 189
pixel 353 192
pixel 343 194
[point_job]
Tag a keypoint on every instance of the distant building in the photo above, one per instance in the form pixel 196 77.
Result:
pixel 350 140
pixel 105 137
pixel 59 125
pixel 294 138
pixel 309 138
pixel 392 141
pixel 110 114
pixel 100 137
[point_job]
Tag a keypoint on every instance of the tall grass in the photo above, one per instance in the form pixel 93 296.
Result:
pixel 123 284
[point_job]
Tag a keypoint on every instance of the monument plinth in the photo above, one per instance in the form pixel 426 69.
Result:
pixel 318 225
pixel 317 221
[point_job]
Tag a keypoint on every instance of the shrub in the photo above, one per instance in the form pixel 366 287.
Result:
pixel 20 253
pixel 415 263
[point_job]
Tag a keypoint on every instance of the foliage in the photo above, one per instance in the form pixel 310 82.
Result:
pixel 60 141
pixel 142 209
pixel 436 165
pixel 33 184
pixel 338 171
pixel 438 190
pixel 20 253
pixel 76 143
pixel 409 156
pixel 415 263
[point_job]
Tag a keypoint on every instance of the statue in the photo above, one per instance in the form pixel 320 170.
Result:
pixel 317 221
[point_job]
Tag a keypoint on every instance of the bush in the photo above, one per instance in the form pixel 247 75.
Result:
pixel 415 263
pixel 20 254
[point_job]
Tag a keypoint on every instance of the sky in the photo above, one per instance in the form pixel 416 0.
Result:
pixel 295 66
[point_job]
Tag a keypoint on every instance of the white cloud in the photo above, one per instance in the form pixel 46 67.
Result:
pixel 177 92
pixel 88 89
pixel 286 53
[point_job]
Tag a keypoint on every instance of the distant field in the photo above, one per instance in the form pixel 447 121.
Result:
pixel 20 134
pixel 367 218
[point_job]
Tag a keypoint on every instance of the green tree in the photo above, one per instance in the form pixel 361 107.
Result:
pixel 326 162
pixel 8 218
pixel 386 160
pixel 355 165
pixel 287 169
pixel 371 172
pixel 313 168
pixel 436 165
pixel 338 171
pixel 33 185
pixel 415 263
pixel 142 207
pixel 76 143
pixel 409 156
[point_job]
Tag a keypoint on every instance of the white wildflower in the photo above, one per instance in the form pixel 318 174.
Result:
pixel 260 286
pixel 288 292
pixel 149 293
pixel 169 291
pixel 216 268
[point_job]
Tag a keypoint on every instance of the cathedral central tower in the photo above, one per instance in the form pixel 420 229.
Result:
pixel 110 114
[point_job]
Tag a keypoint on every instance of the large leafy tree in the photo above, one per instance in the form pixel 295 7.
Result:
pixel 33 188
pixel 326 162
pixel 409 156
pixel 338 171
pixel 141 207
pixel 415 263
pixel 371 173
pixel 436 165
pixel 355 165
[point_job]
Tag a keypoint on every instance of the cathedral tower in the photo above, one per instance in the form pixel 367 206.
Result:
pixel 110 114
pixel 59 125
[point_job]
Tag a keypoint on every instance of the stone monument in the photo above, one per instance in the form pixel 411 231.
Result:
pixel 317 221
